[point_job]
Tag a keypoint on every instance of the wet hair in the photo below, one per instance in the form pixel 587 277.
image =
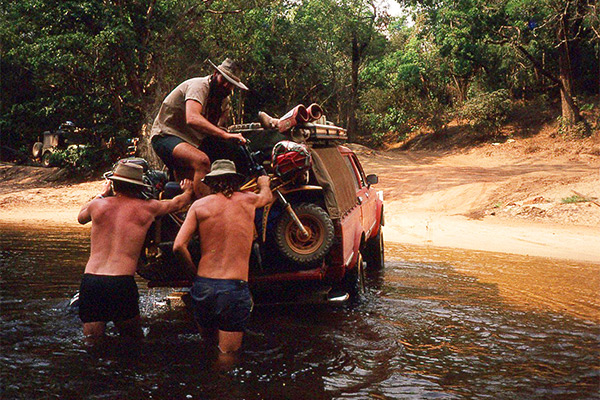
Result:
pixel 128 189
pixel 225 185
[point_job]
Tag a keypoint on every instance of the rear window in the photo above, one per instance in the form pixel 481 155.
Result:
pixel 361 173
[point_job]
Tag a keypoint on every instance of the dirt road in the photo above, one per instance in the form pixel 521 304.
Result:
pixel 504 198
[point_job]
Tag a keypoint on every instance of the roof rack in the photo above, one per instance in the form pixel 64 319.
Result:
pixel 309 131
pixel 319 132
pixel 247 128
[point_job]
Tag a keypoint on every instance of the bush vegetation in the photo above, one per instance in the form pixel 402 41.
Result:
pixel 487 111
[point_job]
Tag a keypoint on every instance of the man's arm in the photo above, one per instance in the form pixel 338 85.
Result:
pixel 85 215
pixel 224 118
pixel 265 196
pixel 195 119
pixel 164 207
pixel 185 234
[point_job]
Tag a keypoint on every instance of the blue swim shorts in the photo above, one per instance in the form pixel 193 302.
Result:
pixel 224 304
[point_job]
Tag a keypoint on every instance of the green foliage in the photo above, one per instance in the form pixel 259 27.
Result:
pixel 406 88
pixel 587 107
pixel 574 199
pixel 576 131
pixel 487 111
pixel 83 160
pixel 74 60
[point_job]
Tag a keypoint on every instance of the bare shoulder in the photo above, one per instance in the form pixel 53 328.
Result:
pixel 151 205
pixel 200 206
pixel 203 201
pixel 248 197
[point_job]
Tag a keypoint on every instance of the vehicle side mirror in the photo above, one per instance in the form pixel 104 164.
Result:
pixel 372 179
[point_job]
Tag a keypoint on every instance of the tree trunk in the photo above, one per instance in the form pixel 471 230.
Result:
pixel 570 111
pixel 145 150
pixel 462 86
pixel 352 125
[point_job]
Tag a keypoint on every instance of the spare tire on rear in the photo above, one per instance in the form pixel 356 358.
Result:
pixel 37 149
pixel 305 249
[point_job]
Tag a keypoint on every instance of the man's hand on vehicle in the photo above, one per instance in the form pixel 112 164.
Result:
pixel 186 185
pixel 238 137
pixel 263 180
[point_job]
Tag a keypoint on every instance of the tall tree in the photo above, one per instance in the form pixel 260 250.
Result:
pixel 556 27
pixel 349 32
pixel 457 29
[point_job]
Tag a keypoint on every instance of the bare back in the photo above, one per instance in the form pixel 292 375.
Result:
pixel 119 226
pixel 226 227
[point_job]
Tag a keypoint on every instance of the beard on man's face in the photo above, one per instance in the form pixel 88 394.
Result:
pixel 217 89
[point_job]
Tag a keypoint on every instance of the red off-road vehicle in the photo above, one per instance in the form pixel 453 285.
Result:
pixel 318 250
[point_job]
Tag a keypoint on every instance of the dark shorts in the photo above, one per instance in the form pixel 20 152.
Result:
pixel 215 148
pixel 163 145
pixel 108 298
pixel 224 304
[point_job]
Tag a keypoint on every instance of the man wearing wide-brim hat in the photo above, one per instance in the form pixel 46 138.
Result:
pixel 188 132
pixel 108 291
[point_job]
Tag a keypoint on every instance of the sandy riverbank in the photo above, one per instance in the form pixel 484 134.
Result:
pixel 493 198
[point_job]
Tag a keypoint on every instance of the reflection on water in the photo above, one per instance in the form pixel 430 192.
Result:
pixel 430 326
pixel 530 282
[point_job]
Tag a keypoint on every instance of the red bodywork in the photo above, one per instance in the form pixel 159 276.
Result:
pixel 352 230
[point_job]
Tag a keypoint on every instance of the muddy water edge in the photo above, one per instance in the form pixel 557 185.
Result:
pixel 436 323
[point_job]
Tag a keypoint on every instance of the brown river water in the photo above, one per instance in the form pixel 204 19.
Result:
pixel 435 324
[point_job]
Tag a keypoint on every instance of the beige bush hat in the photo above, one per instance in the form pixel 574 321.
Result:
pixel 223 168
pixel 128 172
pixel 230 70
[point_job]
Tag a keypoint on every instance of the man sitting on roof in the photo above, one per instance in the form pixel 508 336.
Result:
pixel 187 131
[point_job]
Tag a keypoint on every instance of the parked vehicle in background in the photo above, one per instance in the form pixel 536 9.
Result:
pixel 65 136
pixel 319 251
pixel 77 141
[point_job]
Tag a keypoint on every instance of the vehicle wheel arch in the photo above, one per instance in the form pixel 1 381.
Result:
pixel 380 211
pixel 363 241
pixel 353 280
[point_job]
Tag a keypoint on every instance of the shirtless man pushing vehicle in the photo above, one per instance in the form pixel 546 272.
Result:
pixel 224 221
pixel 108 290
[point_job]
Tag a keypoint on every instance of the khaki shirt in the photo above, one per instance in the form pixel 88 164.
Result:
pixel 171 116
